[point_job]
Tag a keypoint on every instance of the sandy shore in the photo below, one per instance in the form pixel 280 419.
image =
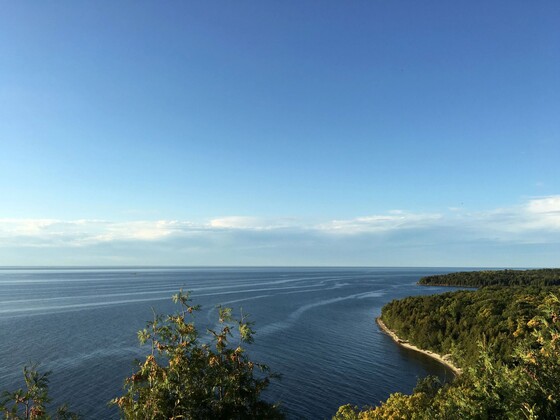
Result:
pixel 442 359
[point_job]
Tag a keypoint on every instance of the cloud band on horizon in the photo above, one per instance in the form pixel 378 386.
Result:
pixel 279 240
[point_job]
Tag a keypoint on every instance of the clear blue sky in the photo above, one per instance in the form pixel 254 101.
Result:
pixel 309 133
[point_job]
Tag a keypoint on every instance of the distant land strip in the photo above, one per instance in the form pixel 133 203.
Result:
pixel 539 277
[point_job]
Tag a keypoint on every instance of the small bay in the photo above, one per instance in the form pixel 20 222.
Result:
pixel 315 326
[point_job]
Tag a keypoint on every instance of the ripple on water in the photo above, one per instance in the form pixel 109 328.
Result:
pixel 315 326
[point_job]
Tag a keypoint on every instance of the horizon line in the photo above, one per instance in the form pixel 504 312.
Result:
pixel 146 267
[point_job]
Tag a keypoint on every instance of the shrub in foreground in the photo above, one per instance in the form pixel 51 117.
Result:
pixel 31 402
pixel 186 378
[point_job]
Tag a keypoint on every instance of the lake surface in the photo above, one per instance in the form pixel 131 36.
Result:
pixel 315 326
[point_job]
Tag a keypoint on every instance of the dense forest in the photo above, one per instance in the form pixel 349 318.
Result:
pixel 540 277
pixel 505 336
pixel 455 322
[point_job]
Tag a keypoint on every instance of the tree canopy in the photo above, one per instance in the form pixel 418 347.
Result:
pixel 540 277
pixel 526 388
pixel 455 322
pixel 184 377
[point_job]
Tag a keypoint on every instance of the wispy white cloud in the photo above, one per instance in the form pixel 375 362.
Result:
pixel 536 220
pixel 535 215
pixel 50 232
pixel 140 230
pixel 544 213
pixel 25 227
pixel 252 223
pixel 268 240
pixel 394 220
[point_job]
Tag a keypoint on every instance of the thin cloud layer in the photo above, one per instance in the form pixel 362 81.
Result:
pixel 251 223
pixel 544 213
pixel 394 220
pixel 539 214
pixel 45 232
pixel 270 241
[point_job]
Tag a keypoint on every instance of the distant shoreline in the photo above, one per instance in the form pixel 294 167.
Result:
pixel 442 359
pixel 448 285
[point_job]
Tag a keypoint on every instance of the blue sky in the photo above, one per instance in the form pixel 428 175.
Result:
pixel 280 133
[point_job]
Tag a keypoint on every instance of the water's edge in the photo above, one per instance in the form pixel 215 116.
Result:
pixel 444 360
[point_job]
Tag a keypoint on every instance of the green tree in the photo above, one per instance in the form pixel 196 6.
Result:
pixel 185 378
pixel 489 388
pixel 31 402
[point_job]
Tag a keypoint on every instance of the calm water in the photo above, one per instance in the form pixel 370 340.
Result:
pixel 315 326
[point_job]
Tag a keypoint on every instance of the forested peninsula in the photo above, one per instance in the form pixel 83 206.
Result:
pixel 540 277
pixel 505 335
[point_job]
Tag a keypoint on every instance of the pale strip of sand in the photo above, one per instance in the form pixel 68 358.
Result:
pixel 444 360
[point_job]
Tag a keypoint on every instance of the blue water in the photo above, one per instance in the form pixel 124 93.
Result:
pixel 315 326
